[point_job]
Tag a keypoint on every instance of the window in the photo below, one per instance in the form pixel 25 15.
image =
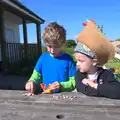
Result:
pixel 9 33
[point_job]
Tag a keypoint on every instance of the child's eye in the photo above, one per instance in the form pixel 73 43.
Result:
pixel 81 61
pixel 49 46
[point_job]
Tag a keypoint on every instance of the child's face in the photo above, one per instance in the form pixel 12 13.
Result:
pixel 84 63
pixel 54 50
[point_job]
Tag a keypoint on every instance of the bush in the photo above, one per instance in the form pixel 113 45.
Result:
pixel 23 67
pixel 64 49
pixel 68 50
pixel 44 49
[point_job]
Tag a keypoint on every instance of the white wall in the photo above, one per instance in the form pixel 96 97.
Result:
pixel 12 34
pixel 12 26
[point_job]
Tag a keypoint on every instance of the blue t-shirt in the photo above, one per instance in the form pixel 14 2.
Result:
pixel 55 69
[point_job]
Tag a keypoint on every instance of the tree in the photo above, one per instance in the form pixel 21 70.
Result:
pixel 117 39
pixel 100 27
pixel 70 43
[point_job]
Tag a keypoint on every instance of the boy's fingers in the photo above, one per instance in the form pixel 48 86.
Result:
pixel 57 83
pixel 32 88
pixel 27 87
pixel 29 94
pixel 54 86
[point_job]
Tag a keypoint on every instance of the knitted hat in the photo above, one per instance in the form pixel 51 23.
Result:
pixel 81 48
pixel 101 47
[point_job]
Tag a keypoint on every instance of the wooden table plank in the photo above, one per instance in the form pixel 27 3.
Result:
pixel 13 105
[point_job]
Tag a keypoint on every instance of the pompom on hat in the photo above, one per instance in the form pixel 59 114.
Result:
pixel 99 45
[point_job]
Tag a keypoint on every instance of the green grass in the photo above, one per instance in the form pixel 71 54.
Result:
pixel 113 65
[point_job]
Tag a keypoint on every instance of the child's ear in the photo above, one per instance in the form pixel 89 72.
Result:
pixel 95 62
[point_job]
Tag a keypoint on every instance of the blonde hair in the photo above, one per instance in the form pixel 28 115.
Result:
pixel 54 34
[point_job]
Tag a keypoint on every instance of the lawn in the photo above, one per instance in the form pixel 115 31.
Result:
pixel 113 65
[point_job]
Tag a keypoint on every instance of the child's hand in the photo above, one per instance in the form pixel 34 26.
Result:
pixel 85 81
pixel 90 83
pixel 30 86
pixel 54 86
pixel 93 85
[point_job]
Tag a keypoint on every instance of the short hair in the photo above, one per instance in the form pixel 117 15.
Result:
pixel 54 34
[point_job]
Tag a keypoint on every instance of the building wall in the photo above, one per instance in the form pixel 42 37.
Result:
pixel 12 27
pixel 12 35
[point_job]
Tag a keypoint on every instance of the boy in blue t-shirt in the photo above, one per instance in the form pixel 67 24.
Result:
pixel 54 68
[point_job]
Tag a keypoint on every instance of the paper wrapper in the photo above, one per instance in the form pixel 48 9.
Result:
pixel 46 90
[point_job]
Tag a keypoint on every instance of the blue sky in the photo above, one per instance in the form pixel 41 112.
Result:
pixel 71 14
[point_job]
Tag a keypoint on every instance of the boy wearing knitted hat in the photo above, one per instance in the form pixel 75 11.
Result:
pixel 92 51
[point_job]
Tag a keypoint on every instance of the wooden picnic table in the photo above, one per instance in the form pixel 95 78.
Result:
pixel 65 106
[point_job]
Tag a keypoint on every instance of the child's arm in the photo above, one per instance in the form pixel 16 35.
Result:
pixel 70 84
pixel 111 87
pixel 85 89
pixel 32 84
pixel 35 77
